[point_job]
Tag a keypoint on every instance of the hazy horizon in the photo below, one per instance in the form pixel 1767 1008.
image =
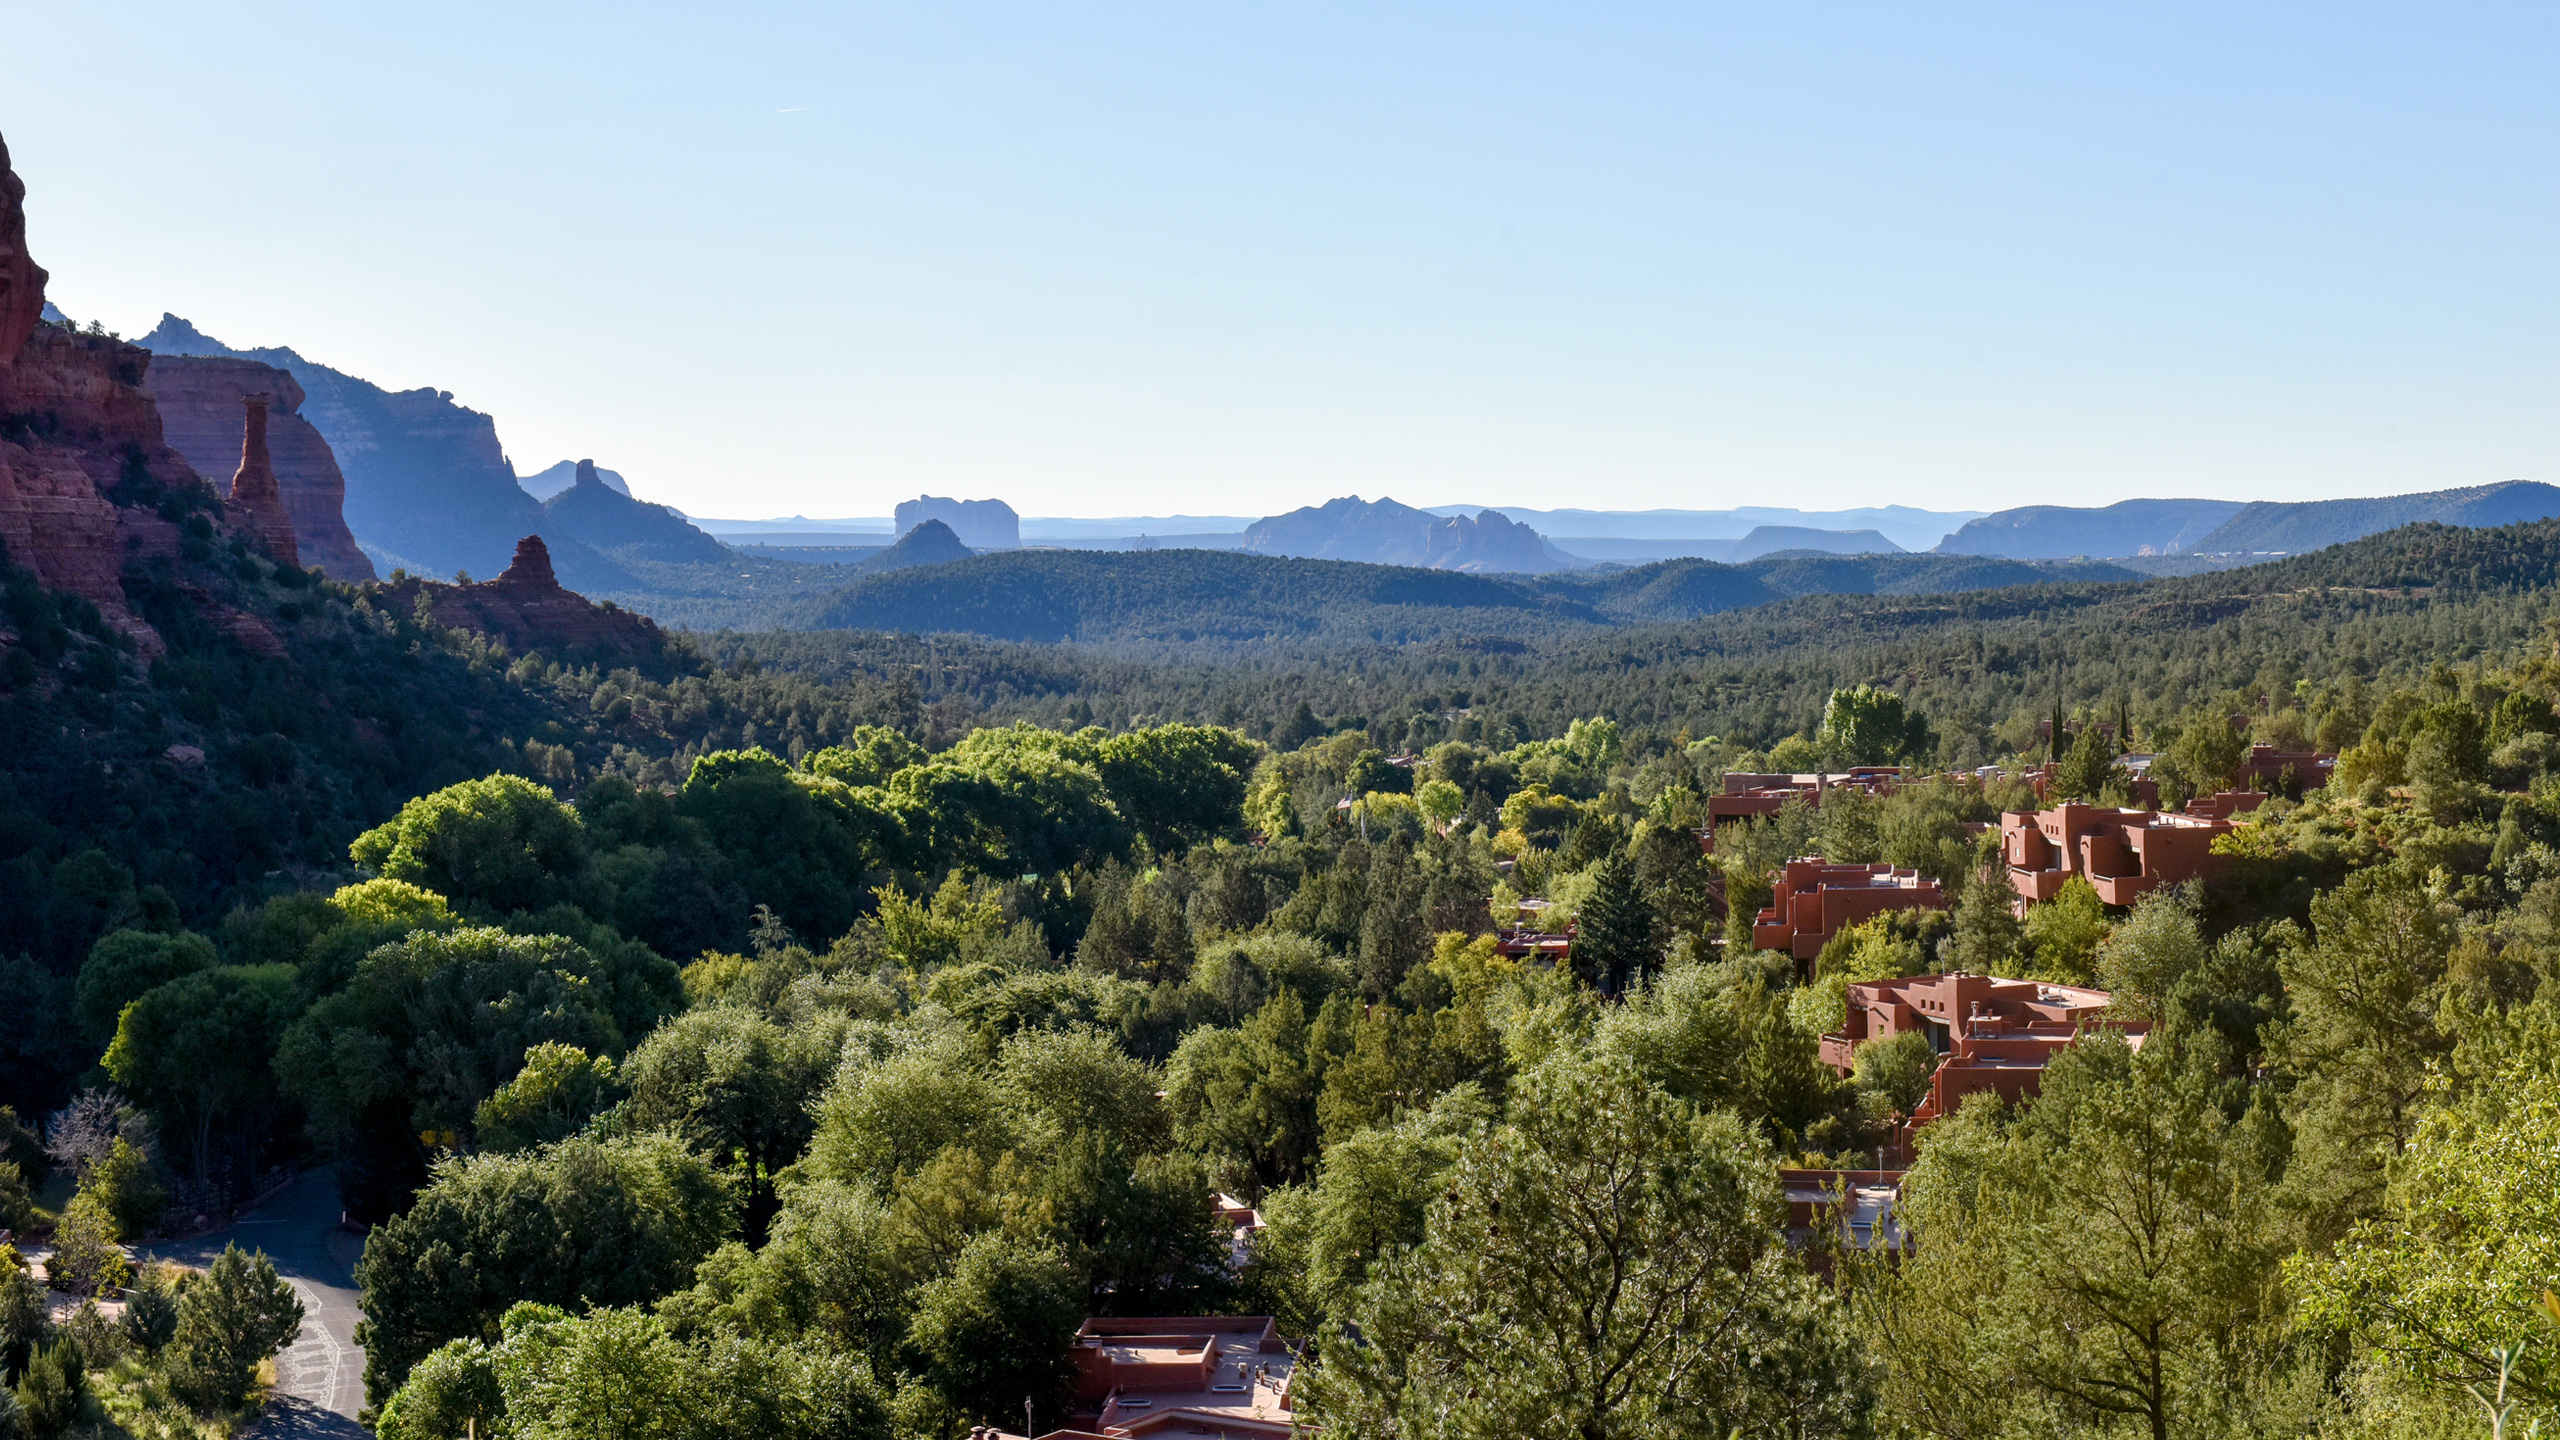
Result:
pixel 1150 260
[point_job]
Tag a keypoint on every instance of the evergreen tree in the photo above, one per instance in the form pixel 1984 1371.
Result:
pixel 1784 1082
pixel 1618 936
pixel 49 1394
pixel 1988 939
pixel 2088 770
pixel 240 1313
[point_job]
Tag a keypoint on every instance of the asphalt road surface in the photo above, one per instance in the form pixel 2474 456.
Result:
pixel 320 1377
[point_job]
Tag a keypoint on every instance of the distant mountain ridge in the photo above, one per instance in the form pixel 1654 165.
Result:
pixel 2219 527
pixel 2318 524
pixel 2059 532
pixel 1909 528
pixel 1382 532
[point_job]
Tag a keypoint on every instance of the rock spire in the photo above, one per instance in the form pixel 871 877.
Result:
pixel 254 496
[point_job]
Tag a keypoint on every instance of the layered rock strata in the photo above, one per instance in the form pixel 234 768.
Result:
pixel 200 400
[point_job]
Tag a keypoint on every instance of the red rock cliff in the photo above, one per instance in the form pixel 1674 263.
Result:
pixel 200 400
pixel 21 280
pixel 74 423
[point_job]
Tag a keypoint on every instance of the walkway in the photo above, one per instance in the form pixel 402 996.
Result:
pixel 320 1377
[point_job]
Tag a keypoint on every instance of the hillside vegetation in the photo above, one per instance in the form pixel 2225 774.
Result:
pixel 791 1037
pixel 1229 599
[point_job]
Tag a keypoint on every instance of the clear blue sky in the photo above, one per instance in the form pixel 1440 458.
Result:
pixel 1120 259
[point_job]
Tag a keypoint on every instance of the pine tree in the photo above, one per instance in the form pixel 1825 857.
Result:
pixel 1783 1079
pixel 1988 938
pixel 1618 935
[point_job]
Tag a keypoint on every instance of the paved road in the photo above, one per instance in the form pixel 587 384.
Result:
pixel 320 1377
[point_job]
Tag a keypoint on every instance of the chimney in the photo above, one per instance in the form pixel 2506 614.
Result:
pixel 253 487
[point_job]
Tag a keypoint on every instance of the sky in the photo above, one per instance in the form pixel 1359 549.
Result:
pixel 1127 259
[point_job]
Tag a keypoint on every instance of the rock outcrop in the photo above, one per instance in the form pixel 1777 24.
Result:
pixel 543 484
pixel 201 399
pixel 527 608
pixel 76 428
pixel 21 279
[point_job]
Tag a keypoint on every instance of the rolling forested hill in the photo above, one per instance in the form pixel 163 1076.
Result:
pixel 1221 598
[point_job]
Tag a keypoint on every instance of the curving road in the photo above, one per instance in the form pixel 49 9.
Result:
pixel 320 1377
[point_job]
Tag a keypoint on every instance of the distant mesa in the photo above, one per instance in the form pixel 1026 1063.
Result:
pixel 543 484
pixel 1771 539
pixel 203 404
pixel 930 543
pixel 1382 532
pixel 978 524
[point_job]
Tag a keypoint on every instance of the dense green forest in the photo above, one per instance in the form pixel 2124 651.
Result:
pixel 1227 600
pixel 801 1034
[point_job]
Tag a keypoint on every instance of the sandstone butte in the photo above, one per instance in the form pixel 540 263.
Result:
pixel 203 403
pixel 527 609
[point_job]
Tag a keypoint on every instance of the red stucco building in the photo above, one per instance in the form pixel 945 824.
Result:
pixel 2126 854
pixel 1814 900
pixel 1990 1034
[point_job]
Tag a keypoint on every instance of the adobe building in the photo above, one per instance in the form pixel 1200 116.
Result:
pixel 1991 1034
pixel 1747 794
pixel 2266 767
pixel 2125 854
pixel 1814 900
pixel 1199 1375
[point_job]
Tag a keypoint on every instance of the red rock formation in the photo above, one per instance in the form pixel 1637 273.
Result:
pixel 200 409
pixel 76 427
pixel 21 279
pixel 254 504
pixel 75 423
pixel 527 608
